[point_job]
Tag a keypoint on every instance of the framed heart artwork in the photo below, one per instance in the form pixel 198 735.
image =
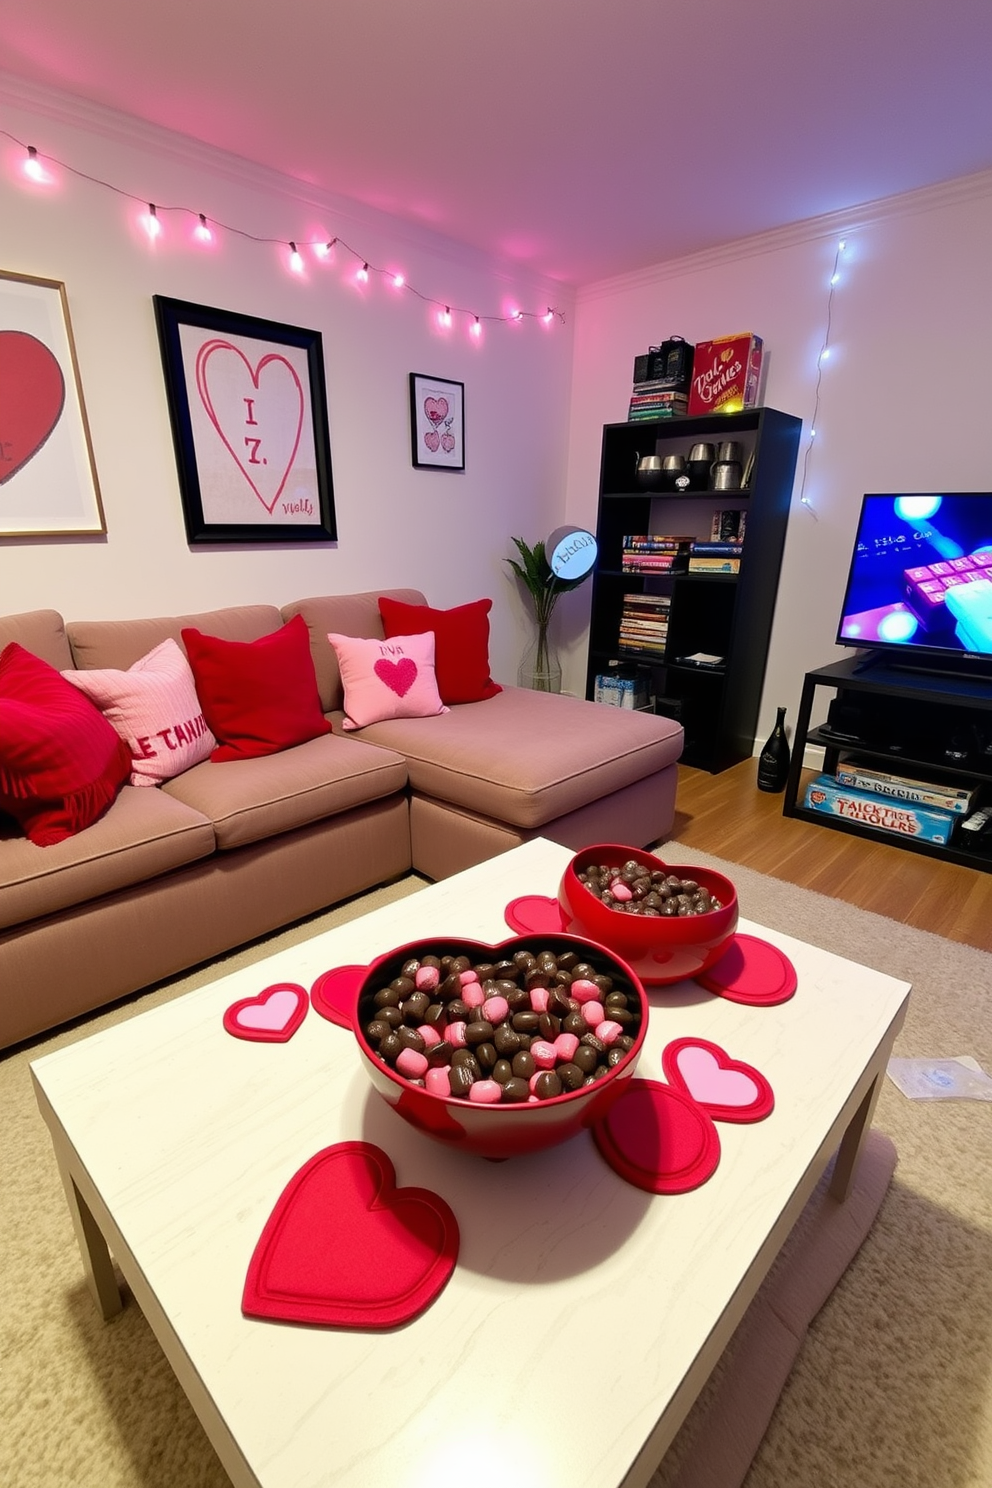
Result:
pixel 437 422
pixel 248 406
pixel 48 483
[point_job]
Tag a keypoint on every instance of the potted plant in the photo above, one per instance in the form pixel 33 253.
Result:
pixel 540 668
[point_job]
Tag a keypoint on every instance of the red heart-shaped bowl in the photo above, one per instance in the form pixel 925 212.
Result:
pixel 507 1128
pixel 660 949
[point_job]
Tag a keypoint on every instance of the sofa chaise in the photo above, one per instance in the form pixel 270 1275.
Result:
pixel 226 852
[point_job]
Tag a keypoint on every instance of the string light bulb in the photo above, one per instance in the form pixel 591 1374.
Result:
pixel 363 274
pixel 295 259
pixel 445 316
pixel 202 230
pixel 476 327
pixel 549 316
pixel 33 167
pixel 324 250
pixel 398 281
pixel 152 225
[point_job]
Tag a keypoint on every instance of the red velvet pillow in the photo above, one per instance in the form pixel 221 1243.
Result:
pixel 257 696
pixel 461 644
pixel 61 762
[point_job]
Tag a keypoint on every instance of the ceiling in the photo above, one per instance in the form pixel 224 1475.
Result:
pixel 579 138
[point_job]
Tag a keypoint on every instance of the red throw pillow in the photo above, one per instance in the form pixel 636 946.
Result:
pixel 61 762
pixel 257 696
pixel 461 644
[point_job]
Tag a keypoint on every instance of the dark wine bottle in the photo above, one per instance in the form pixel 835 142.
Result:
pixel 773 761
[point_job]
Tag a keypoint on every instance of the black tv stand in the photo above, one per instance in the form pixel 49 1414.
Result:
pixel 925 726
pixel 968 665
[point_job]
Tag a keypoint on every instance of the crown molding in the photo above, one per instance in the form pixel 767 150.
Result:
pixel 807 230
pixel 125 129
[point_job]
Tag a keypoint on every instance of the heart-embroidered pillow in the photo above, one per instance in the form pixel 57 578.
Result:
pixel 387 679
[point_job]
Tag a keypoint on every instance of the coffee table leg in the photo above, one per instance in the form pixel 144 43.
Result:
pixel 852 1142
pixel 98 1266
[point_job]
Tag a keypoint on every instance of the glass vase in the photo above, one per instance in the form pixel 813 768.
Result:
pixel 540 669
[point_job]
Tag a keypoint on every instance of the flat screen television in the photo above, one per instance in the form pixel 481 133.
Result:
pixel 919 591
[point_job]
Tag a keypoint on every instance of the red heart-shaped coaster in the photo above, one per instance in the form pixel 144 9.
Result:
pixel 534 914
pixel 727 1088
pixel 345 1246
pixel 751 971
pixel 335 993
pixel 270 1018
pixel 658 1138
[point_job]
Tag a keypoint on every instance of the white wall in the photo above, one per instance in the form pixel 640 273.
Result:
pixel 904 397
pixel 442 532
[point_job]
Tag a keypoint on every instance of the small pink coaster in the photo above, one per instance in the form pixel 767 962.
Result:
pixel 270 1018
pixel 658 1138
pixel 334 994
pixel 727 1088
pixel 345 1247
pixel 534 914
pixel 751 971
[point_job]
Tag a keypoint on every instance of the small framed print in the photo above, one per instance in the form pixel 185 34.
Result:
pixel 437 422
pixel 248 407
pixel 48 484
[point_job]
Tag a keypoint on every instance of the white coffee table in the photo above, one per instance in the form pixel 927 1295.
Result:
pixel 583 1316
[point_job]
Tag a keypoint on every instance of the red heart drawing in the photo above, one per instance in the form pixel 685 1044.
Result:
pixel 658 1138
pixel 447 442
pixel 344 1246
pixel 727 1088
pixel 432 439
pixel 32 396
pixel 399 676
pixel 270 1018
pixel 436 409
pixel 257 412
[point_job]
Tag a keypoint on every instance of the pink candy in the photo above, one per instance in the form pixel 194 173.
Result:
pixel 584 991
pixel 496 1009
pixel 427 978
pixel 566 1045
pixel 608 1032
pixel 465 977
pixel 429 1034
pixel 437 1081
pixel 411 1064
pixel 620 891
pixel 539 999
pixel 473 995
pixel 544 1055
pixel 455 1035
pixel 593 1012
pixel 488 1092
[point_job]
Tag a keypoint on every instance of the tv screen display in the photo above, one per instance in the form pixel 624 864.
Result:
pixel 921 577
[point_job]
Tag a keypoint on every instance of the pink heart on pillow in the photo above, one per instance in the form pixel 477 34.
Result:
pixel 399 676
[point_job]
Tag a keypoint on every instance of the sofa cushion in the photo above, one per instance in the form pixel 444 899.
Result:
pixel 61 762
pixel 155 709
pixel 251 799
pixel 42 632
pixel 119 643
pixel 387 679
pixel 260 696
pixel 142 835
pixel 527 757
pixel 345 614
pixel 461 638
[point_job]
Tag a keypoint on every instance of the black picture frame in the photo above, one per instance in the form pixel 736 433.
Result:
pixel 248 407
pixel 437 422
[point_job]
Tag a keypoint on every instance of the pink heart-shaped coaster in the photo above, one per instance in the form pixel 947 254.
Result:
pixel 658 1138
pixel 335 993
pixel 728 1089
pixel 534 914
pixel 344 1246
pixel 270 1018
pixel 751 971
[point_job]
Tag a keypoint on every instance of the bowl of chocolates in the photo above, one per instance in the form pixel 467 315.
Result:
pixel 500 1050
pixel 667 923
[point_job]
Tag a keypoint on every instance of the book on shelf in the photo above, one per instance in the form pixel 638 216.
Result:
pixel 903 818
pixel 658 564
pixel 660 542
pixel 713 565
pixel 650 413
pixel 717 549
pixel 856 775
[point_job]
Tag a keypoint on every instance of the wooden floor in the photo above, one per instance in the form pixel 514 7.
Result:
pixel 728 816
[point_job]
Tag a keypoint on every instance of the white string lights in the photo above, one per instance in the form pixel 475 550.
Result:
pixel 323 249
pixel 823 356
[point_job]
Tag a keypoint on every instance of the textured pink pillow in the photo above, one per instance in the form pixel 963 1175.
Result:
pixel 387 679
pixel 155 709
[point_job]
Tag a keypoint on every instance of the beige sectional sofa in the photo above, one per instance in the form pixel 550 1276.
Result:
pixel 175 874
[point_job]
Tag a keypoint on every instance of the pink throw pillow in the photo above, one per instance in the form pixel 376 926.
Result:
pixel 61 762
pixel 387 679
pixel 155 709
